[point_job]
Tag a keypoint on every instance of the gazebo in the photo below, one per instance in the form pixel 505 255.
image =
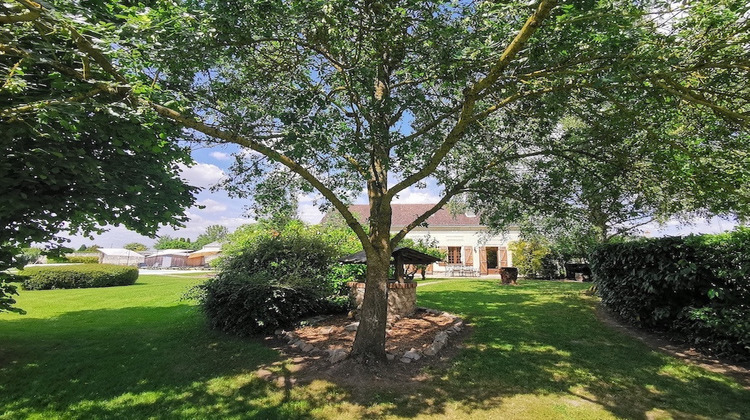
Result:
pixel 400 256
pixel 402 295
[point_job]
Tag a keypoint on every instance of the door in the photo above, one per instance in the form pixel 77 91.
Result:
pixel 492 254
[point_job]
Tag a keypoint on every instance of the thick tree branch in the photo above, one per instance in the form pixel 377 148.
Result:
pixel 248 142
pixel 689 95
pixel 24 17
pixel 532 24
pixel 91 51
pixel 471 95
pixel 26 108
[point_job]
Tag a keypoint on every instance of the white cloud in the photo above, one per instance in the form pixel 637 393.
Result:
pixel 307 210
pixel 202 175
pixel 309 213
pixel 221 156
pixel 198 225
pixel 248 152
pixel 212 206
pixel 415 196
pixel 115 237
pixel 698 226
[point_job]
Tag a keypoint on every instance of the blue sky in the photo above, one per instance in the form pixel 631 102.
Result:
pixel 212 165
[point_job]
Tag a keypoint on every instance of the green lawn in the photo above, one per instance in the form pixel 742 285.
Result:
pixel 537 352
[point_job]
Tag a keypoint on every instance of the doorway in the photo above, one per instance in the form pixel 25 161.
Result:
pixel 492 260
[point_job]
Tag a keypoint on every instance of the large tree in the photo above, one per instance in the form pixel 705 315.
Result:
pixel 342 95
pixel 213 233
pixel 75 160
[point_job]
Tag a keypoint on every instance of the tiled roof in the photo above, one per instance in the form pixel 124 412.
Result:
pixel 403 214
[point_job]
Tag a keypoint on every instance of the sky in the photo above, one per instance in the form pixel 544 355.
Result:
pixel 212 164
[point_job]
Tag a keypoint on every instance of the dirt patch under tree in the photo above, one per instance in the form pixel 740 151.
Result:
pixel 310 348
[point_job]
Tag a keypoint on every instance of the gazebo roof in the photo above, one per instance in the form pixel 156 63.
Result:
pixel 406 255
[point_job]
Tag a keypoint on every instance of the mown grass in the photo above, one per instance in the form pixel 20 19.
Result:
pixel 537 351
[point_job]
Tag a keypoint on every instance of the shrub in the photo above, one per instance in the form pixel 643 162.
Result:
pixel 341 274
pixel 57 259
pixel 28 256
pixel 697 287
pixel 79 276
pixel 272 283
pixel 252 304
pixel 83 259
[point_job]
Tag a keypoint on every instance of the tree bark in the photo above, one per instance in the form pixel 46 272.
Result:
pixel 369 343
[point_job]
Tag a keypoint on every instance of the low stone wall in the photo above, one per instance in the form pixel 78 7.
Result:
pixel 402 297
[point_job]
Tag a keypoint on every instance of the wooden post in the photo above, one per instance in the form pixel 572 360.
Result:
pixel 399 268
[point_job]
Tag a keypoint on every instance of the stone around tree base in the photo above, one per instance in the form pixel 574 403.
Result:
pixel 337 355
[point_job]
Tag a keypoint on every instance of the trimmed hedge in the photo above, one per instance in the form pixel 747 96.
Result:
pixel 79 276
pixel 80 259
pixel 697 287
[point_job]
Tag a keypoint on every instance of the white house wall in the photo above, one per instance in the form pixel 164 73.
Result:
pixel 462 236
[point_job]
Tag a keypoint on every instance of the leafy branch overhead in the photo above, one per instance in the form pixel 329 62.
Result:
pixel 76 154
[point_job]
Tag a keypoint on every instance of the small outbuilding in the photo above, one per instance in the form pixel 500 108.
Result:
pixel 205 255
pixel 120 256
pixel 168 258
pixel 399 257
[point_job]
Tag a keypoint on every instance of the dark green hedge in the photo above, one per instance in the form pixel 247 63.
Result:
pixel 79 276
pixel 80 259
pixel 697 287
pixel 250 307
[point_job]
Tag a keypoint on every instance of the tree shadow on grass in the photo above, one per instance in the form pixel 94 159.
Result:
pixel 544 339
pixel 532 340
pixel 140 362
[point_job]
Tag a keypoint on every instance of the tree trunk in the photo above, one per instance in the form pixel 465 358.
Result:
pixel 369 343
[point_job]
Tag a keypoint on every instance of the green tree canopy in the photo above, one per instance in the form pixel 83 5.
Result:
pixel 213 233
pixel 168 242
pixel 136 246
pixel 76 155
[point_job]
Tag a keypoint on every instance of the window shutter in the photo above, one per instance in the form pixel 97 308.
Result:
pixel 468 256
pixel 483 260
pixel 503 257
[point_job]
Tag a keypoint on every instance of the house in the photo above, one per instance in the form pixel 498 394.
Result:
pixel 205 255
pixel 167 258
pixel 470 246
pixel 119 256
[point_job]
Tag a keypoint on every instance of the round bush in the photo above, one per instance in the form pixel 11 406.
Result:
pixel 79 276
pixel 252 306
pixel 272 283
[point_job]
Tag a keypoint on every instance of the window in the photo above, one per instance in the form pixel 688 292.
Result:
pixel 454 255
